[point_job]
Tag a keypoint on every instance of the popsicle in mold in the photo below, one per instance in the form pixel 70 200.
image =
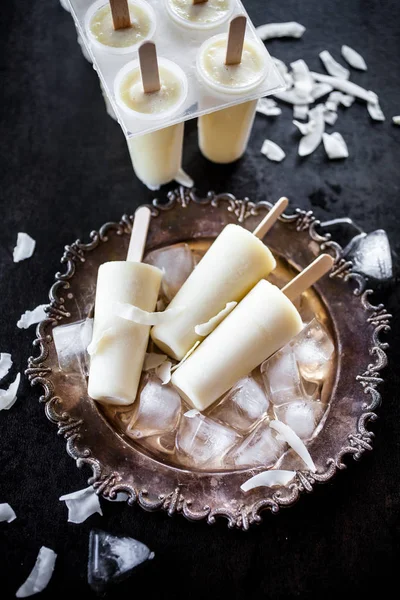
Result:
pixel 151 89
pixel 263 322
pixel 120 345
pixel 199 14
pixel 234 263
pixel 229 65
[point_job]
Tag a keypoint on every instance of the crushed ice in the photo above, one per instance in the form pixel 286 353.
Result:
pixel 40 574
pixel 25 247
pixel 31 317
pixel 81 504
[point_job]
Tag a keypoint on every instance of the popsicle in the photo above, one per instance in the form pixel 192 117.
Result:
pixel 234 263
pixel 229 64
pixel 116 363
pixel 152 89
pixel 199 14
pixel 120 26
pixel 263 322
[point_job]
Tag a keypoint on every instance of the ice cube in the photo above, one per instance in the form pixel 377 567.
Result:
pixel 261 447
pixel 163 444
pixel 244 405
pixel 370 255
pixel 176 262
pixel 202 442
pixel 112 558
pixel 71 342
pixel 302 416
pixel 313 350
pixel 158 410
pixel 281 377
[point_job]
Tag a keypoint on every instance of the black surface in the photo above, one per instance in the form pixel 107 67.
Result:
pixel 65 171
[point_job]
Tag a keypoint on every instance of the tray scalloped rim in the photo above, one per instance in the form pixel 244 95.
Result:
pixel 107 483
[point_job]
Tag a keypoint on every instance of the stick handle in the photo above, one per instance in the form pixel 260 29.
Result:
pixel 199 1
pixel 237 29
pixel 120 14
pixel 138 239
pixel 271 218
pixel 317 269
pixel 149 67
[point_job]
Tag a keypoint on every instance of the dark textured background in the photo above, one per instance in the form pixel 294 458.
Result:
pixel 66 170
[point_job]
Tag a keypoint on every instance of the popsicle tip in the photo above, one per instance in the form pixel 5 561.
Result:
pixel 149 67
pixel 138 239
pixel 271 217
pixel 237 30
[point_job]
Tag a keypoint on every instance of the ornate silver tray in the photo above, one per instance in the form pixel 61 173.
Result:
pixel 341 301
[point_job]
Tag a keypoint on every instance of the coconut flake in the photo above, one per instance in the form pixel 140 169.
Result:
pixel 25 247
pixel 348 87
pixel 312 140
pixel 396 120
pixel 97 341
pixel 330 117
pixel 163 372
pixel 335 146
pixel 9 396
pixel 320 89
pixel 40 574
pixel 268 107
pixel 152 360
pixel 206 328
pixel 292 97
pixel 142 317
pixel 375 111
pixel 188 353
pixel 283 71
pixel 302 80
pixel 272 151
pixel 81 504
pixel 305 128
pixel 7 513
pixel 278 30
pixel 300 111
pixel 354 59
pixel 5 364
pixel 268 479
pixel 332 66
pixel 31 317
pixel 287 434
pixel 190 414
pixel 184 179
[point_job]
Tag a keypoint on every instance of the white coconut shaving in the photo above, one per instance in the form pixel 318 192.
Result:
pixel 320 90
pixel 98 341
pixel 336 98
pixel 348 87
pixel 330 117
pixel 292 97
pixel 279 30
pixel 25 247
pixel 40 574
pixel 188 353
pixel 268 479
pixel 8 397
pixel 190 414
pixel 31 317
pixel 206 328
pixel 302 81
pixel 287 434
pixel 5 364
pixel 396 120
pixel 7 513
pixel 305 128
pixel 142 317
pixel 283 71
pixel 184 179
pixel 81 504
pixel 375 111
pixel 272 151
pixel 152 360
pixel 163 372
pixel 268 107
pixel 335 146
pixel 300 111
pixel 332 66
pixel 353 58
pixel 312 140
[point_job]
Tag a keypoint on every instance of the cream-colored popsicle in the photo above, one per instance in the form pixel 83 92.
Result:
pixel 199 14
pixel 234 263
pixel 263 322
pixel 116 365
pixel 156 156
pixel 223 135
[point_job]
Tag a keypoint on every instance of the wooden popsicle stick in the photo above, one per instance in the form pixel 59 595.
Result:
pixel 149 67
pixel 138 239
pixel 120 14
pixel 199 1
pixel 271 218
pixel 237 29
pixel 319 267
